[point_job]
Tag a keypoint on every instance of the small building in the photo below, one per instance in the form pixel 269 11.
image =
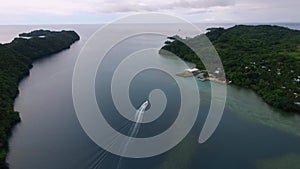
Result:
pixel 217 72
pixel 195 71
pixel 297 80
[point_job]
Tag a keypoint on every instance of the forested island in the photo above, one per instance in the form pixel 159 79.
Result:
pixel 264 58
pixel 16 59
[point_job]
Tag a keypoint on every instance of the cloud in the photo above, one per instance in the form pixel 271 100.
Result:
pixel 71 7
pixel 159 6
pixel 53 7
pixel 200 4
pixel 199 11
pixel 210 10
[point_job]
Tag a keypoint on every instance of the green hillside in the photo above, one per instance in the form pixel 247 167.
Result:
pixel 15 61
pixel 263 58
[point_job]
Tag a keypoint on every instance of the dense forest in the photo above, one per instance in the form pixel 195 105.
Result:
pixel 264 58
pixel 15 61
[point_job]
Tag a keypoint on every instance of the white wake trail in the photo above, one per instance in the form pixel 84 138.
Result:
pixel 134 129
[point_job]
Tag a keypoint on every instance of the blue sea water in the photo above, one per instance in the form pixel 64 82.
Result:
pixel 50 135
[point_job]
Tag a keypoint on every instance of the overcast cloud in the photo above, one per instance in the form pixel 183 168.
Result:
pixel 97 11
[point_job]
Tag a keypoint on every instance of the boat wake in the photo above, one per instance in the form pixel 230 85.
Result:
pixel 134 129
pixel 98 160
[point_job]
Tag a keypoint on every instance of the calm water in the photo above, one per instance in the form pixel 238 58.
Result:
pixel 250 135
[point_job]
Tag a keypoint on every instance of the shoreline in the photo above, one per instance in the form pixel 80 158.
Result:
pixel 213 79
pixel 270 69
pixel 17 58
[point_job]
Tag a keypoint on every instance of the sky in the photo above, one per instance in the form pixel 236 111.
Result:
pixel 105 11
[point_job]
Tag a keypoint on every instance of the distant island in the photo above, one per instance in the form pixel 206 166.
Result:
pixel 264 58
pixel 16 59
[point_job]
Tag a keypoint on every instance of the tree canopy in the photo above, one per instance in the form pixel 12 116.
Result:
pixel 264 58
pixel 15 61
